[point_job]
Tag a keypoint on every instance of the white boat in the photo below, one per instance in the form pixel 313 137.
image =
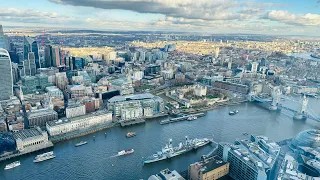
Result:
pixel 44 157
pixel 12 165
pixel 81 143
pixel 125 152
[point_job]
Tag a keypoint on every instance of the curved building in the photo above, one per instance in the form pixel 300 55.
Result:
pixel 307 138
pixel 6 80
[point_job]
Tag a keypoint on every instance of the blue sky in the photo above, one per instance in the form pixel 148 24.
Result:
pixel 210 16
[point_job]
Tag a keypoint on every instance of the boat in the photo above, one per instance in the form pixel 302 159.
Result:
pixel 12 165
pixel 44 157
pixel 130 134
pixel 169 151
pixel 125 152
pixel 81 143
pixel 191 118
pixel 233 112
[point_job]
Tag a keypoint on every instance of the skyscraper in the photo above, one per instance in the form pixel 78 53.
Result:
pixel 30 45
pixel 48 56
pixel 4 40
pixel 6 81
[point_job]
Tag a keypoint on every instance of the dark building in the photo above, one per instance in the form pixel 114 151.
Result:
pixel 152 69
pixel 48 56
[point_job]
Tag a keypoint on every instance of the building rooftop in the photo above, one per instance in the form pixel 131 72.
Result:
pixel 209 164
pixel 27 133
pixel 68 120
pixel 166 174
pixel 40 112
pixel 130 97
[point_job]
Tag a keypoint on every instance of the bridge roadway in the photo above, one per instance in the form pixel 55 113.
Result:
pixel 261 100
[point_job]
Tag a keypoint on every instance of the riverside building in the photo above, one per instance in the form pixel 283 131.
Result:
pixel 66 125
pixel 252 159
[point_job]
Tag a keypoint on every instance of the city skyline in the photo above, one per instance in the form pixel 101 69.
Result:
pixel 271 17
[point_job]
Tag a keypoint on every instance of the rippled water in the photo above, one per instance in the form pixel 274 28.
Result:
pixel 94 160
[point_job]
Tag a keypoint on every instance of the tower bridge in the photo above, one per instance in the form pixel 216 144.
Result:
pixel 273 103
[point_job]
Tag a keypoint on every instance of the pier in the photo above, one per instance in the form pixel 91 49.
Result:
pixel 182 118
pixel 27 151
pixel 132 122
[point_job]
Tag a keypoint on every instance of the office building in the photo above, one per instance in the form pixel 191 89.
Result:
pixel 167 174
pixel 67 125
pixel 75 109
pixel 211 168
pixel 48 56
pixel 56 59
pixel 61 80
pixel 152 70
pixel 30 45
pixel 252 159
pixel 146 103
pixel 4 40
pixel 54 92
pixel 6 79
pixel 254 67
pixel 41 117
pixel 33 139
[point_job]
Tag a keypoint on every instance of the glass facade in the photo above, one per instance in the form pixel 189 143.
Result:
pixel 307 138
pixel 6 81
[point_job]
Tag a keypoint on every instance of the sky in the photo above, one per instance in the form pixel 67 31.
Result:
pixel 274 17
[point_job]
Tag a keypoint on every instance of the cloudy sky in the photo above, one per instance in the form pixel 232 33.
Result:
pixel 298 17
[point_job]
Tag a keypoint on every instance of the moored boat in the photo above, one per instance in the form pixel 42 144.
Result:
pixel 12 165
pixel 44 157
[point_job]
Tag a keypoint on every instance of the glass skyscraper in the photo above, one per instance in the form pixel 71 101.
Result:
pixel 30 45
pixel 6 81
pixel 4 41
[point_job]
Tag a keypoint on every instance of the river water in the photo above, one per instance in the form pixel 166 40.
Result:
pixel 303 55
pixel 94 160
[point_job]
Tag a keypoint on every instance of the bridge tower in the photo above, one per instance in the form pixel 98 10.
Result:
pixel 276 98
pixel 301 112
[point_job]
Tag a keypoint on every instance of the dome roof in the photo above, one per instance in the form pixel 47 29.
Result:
pixel 307 138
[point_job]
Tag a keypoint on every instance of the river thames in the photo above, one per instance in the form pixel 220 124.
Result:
pixel 94 160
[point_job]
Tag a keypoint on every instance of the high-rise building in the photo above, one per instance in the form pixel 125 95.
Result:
pixel 252 159
pixel 56 60
pixel 32 63
pixel 30 45
pixel 4 40
pixel 6 80
pixel 48 56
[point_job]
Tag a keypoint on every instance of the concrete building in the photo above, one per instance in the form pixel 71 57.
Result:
pixel 6 79
pixel 41 117
pixel 200 90
pixel 254 67
pixel 74 110
pixel 166 174
pixel 54 92
pixel 31 139
pixel 61 80
pixel 131 110
pixel 252 159
pixel 137 75
pixel 208 169
pixel 67 125
pixel 167 74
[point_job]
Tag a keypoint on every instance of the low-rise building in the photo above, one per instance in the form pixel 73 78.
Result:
pixel 166 174
pixel 74 110
pixel 40 117
pixel 54 92
pixel 208 169
pixel 66 125
pixel 31 139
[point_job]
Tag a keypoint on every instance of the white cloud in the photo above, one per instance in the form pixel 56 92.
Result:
pixel 294 19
